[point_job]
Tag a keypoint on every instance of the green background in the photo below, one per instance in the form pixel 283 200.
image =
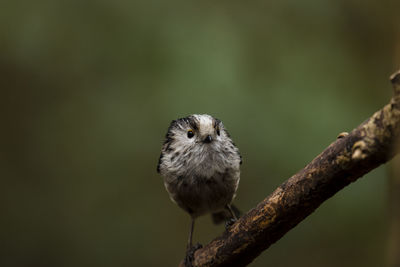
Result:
pixel 88 89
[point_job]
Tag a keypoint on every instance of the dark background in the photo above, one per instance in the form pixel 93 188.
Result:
pixel 88 89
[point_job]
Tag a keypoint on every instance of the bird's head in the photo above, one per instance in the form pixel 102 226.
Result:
pixel 197 131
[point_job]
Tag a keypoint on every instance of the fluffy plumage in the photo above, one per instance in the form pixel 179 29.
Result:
pixel 201 172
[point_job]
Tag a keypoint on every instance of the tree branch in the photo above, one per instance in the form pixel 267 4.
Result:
pixel 341 163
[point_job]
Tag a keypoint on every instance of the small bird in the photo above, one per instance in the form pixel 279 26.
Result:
pixel 200 165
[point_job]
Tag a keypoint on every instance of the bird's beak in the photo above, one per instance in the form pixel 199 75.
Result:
pixel 208 139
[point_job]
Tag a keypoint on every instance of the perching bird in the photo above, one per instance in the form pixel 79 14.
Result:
pixel 200 165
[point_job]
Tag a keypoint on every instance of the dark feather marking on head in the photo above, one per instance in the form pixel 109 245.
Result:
pixel 171 126
pixel 169 138
pixel 187 121
pixel 167 142
pixel 159 162
pixel 216 123
pixel 192 122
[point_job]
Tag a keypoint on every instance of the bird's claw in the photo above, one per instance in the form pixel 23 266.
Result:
pixel 190 254
pixel 229 223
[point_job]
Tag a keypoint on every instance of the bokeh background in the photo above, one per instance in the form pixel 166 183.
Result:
pixel 88 89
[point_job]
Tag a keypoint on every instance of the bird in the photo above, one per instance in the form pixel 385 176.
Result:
pixel 200 165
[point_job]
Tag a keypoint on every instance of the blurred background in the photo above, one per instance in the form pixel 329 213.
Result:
pixel 88 89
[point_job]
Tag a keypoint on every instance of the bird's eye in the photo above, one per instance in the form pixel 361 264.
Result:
pixel 190 133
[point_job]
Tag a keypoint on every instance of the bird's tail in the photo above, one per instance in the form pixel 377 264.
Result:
pixel 225 215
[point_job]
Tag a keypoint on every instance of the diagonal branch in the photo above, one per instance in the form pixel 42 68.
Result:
pixel 341 163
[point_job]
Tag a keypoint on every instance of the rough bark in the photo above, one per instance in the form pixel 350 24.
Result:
pixel 341 163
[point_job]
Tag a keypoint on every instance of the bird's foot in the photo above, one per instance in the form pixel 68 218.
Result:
pixel 229 223
pixel 190 254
